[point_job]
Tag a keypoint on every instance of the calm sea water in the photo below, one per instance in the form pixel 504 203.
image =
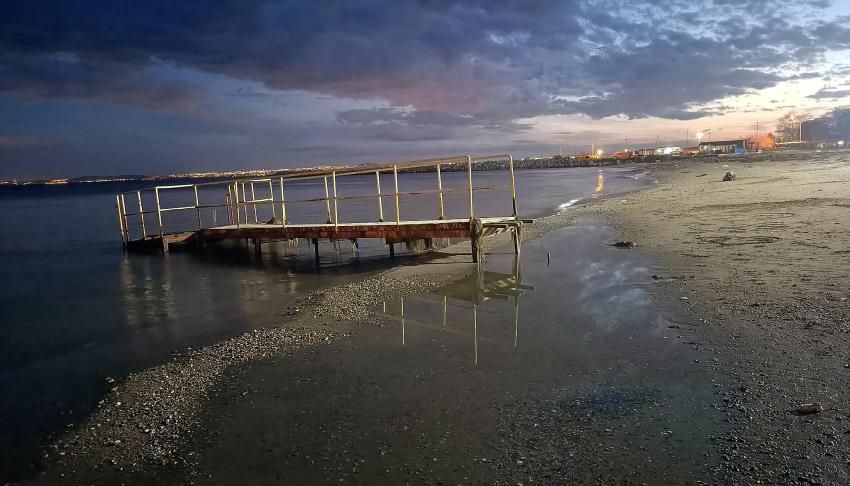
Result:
pixel 76 309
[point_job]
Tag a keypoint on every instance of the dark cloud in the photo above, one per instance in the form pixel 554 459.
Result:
pixel 393 124
pixel 65 77
pixel 830 93
pixel 442 68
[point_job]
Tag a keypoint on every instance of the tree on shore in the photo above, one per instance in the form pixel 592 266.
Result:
pixel 788 126
pixel 832 126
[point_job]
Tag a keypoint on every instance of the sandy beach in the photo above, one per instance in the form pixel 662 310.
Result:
pixel 754 270
pixel 760 265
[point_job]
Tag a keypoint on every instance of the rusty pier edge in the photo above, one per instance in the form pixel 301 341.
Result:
pixel 238 216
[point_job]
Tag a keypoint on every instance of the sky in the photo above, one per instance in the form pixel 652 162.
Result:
pixel 163 86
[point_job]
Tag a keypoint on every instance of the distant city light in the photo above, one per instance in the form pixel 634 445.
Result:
pixel 599 152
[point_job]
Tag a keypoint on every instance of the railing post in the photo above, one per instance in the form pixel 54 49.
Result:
pixel 513 183
pixel 120 220
pixel 124 215
pixel 236 202
pixel 395 185
pixel 197 206
pixel 228 201
pixel 440 188
pixel 253 204
pixel 141 215
pixel 159 221
pixel 380 198
pixel 245 202
pixel 469 184
pixel 327 199
pixel 282 204
pixel 336 215
pixel 271 196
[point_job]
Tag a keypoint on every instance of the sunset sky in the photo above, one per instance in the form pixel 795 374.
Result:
pixel 169 86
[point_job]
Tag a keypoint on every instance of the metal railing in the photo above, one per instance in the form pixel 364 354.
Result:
pixel 239 205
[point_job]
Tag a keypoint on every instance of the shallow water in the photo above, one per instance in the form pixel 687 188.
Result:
pixel 77 310
pixel 514 374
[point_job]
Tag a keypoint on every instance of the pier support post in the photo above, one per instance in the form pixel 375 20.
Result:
pixel 475 230
pixel 517 238
pixel 316 250
pixel 392 250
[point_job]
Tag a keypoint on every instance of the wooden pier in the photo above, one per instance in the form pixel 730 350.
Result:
pixel 241 204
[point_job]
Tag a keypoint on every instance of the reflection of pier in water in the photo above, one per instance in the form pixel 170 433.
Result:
pixel 482 286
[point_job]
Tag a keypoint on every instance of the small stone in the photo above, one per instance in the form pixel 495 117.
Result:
pixel 809 408
pixel 623 244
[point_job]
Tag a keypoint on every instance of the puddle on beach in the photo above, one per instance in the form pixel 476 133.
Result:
pixel 555 367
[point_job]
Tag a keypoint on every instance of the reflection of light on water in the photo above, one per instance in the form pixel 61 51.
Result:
pixel 146 300
pixel 600 181
pixel 169 306
pixel 128 297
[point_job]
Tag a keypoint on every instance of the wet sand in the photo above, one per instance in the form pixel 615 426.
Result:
pixel 764 264
pixel 761 331
pixel 588 383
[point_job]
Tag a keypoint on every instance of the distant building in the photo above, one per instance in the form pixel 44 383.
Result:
pixel 668 151
pixel 723 147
